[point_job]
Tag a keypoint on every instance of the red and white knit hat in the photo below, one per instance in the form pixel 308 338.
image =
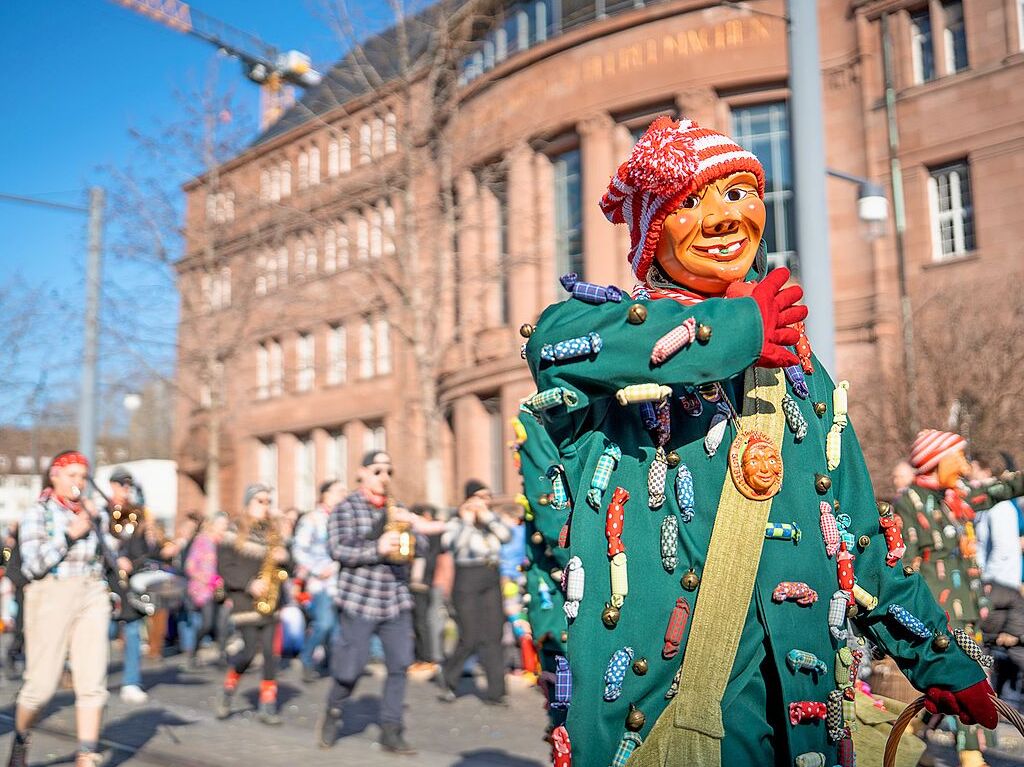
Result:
pixel 671 161
pixel 931 445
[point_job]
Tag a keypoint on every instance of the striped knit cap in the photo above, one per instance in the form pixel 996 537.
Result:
pixel 931 445
pixel 671 161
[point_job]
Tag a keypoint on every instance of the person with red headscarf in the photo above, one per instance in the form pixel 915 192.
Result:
pixel 67 606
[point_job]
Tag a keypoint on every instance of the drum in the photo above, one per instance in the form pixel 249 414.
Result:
pixel 156 590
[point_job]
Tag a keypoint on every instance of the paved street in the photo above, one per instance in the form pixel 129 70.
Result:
pixel 177 726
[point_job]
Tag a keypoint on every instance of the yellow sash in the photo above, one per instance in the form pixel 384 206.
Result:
pixel 690 730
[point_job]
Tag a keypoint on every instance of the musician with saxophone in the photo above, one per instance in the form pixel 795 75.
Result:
pixel 373 541
pixel 252 561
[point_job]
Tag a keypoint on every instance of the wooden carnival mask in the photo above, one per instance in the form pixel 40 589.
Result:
pixel 712 239
pixel 755 465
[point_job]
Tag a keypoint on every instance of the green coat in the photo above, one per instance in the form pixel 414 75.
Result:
pixel 933 536
pixel 755 707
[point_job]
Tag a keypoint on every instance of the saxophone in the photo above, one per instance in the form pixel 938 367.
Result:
pixel 407 539
pixel 271 573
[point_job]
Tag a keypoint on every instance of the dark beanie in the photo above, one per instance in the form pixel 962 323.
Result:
pixel 473 486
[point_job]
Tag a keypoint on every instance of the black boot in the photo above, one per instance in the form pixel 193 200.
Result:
pixel 223 708
pixel 19 752
pixel 268 712
pixel 327 727
pixel 391 740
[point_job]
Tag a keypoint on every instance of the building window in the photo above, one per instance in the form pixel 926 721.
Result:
pixel 332 158
pixel 330 250
pixel 345 154
pixel 337 355
pixel 764 130
pixel 952 211
pixel 365 151
pixel 271 272
pixel 366 352
pixel 314 166
pixel 305 373
pixel 921 48
pixel 303 171
pixel 286 178
pixel 377 136
pixel 362 237
pixel 265 185
pixel 341 240
pixel 282 265
pixel 305 476
pixel 1020 24
pixel 311 255
pixel 390 133
pixel 954 36
pixel 375 438
pixel 382 344
pixel 336 457
pixel 267 461
pixel 275 367
pixel 262 371
pixel 568 213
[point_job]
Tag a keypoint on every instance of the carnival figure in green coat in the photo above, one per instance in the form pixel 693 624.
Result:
pixel 714 495
pixel 545 566
pixel 937 516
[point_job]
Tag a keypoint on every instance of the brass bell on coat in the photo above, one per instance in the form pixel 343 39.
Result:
pixel 864 541
pixel 526 330
pixel 908 570
pixel 640 666
pixel 610 616
pixel 703 333
pixel 820 408
pixel 635 719
pixel 637 314
pixel 672 459
pixel 822 483
pixel 940 643
pixel 565 636
pixel 537 538
pixel 543 500
pixel 884 508
pixel 690 581
pixel 556 575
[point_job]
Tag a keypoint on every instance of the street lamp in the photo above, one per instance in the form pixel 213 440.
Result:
pixel 872 204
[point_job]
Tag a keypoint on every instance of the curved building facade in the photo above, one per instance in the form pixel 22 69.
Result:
pixel 552 96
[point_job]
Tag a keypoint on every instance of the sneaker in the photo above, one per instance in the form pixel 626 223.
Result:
pixel 19 753
pixel 327 727
pixel 132 693
pixel 447 695
pixel 391 740
pixel 309 675
pixel 267 713
pixel 222 709
pixel 88 759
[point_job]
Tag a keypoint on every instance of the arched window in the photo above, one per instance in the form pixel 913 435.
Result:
pixel 330 250
pixel 311 255
pixel 362 237
pixel 314 165
pixel 303 168
pixel 388 223
pixel 345 154
pixel 286 178
pixel 260 286
pixel 275 184
pixel 341 239
pixel 282 265
pixel 365 151
pixel 376 237
pixel 271 272
pixel 332 158
pixel 390 133
pixel 378 137
pixel 229 206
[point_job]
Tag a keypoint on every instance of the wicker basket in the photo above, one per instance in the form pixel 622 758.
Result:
pixel 887 680
pixel 1008 712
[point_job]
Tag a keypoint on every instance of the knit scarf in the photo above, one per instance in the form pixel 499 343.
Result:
pixel 657 285
pixel 952 497
pixel 72 506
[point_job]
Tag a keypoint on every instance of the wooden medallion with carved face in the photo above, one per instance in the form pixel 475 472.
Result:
pixel 755 464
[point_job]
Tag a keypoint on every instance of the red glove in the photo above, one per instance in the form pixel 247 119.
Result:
pixel 778 312
pixel 973 705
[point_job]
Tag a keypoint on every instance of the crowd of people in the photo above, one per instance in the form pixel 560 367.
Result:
pixel 332 589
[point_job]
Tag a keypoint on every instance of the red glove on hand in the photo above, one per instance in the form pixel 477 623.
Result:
pixel 777 314
pixel 973 705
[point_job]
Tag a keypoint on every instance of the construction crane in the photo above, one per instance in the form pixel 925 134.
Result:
pixel 273 70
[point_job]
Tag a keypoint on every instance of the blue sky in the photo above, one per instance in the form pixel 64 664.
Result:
pixel 81 74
